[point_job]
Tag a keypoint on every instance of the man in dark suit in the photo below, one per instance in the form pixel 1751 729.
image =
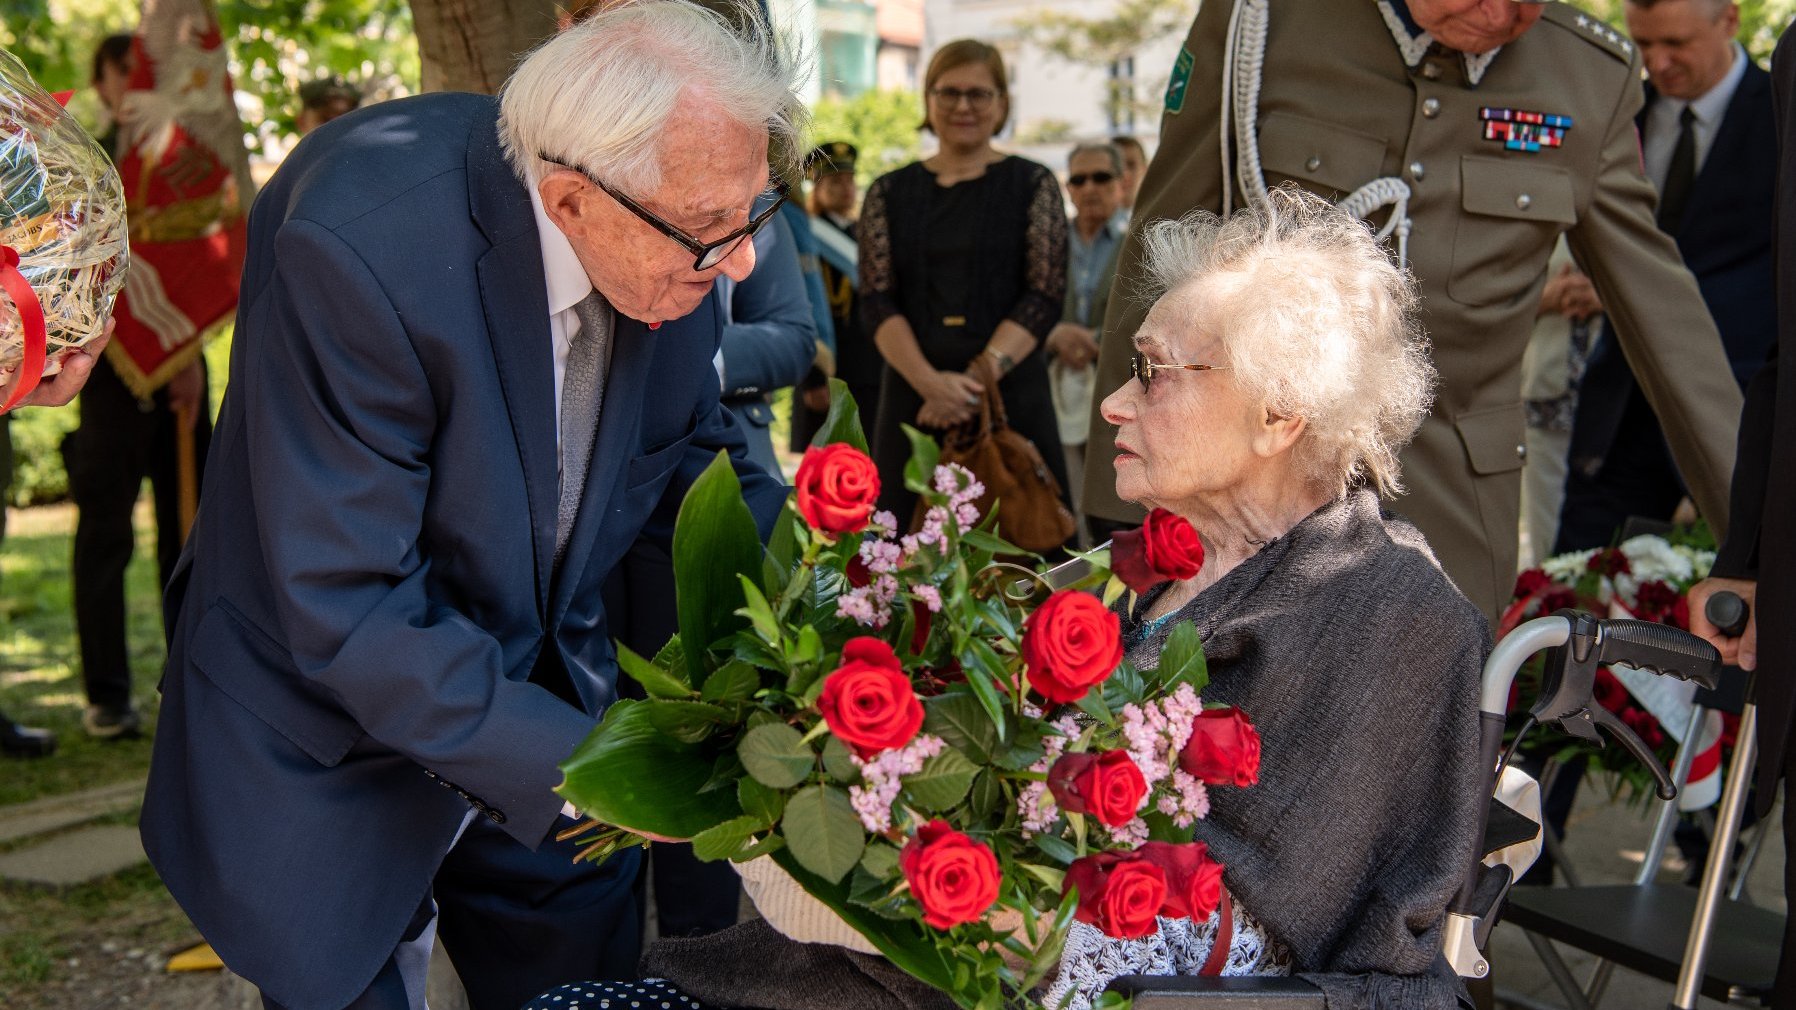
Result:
pixel 1758 558
pixel 473 356
pixel 1709 146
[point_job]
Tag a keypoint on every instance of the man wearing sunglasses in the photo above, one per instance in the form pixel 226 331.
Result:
pixel 473 368
pixel 1473 133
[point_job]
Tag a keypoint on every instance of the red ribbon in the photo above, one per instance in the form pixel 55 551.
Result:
pixel 31 320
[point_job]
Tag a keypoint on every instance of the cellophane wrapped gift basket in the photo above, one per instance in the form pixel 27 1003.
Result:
pixel 63 249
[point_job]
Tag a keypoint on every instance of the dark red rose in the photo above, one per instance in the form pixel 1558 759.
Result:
pixel 1609 561
pixel 1558 599
pixel 1193 879
pixel 1679 614
pixel 857 573
pixel 1165 547
pixel 837 488
pixel 1107 786
pixel 868 702
pixel 1654 600
pixel 1224 748
pixel 1530 582
pixel 1070 643
pixel 952 876
pixel 1119 892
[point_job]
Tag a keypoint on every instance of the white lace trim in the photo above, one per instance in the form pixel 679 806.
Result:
pixel 1178 947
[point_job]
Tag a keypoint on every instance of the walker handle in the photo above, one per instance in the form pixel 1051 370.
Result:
pixel 1728 613
pixel 1660 648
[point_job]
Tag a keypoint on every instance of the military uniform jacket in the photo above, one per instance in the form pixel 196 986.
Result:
pixel 1350 95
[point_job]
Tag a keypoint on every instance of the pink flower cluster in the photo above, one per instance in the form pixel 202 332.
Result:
pixel 1157 732
pixel 883 774
pixel 1035 804
pixel 871 605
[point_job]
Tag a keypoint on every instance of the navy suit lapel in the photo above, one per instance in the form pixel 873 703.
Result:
pixel 515 298
pixel 1732 136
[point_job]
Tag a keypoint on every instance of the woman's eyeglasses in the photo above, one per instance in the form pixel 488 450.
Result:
pixel 706 254
pixel 1100 178
pixel 1144 369
pixel 978 99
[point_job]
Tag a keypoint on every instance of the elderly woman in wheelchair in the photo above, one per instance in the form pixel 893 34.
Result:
pixel 1276 378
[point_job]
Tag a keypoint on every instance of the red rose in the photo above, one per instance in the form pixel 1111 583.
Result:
pixel 1119 892
pixel 1070 643
pixel 1165 547
pixel 1609 561
pixel 837 487
pixel 1558 599
pixel 1193 879
pixel 1107 786
pixel 1224 748
pixel 1654 601
pixel 1530 582
pixel 868 701
pixel 953 877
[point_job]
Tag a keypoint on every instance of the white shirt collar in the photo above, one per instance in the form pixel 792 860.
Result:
pixel 1414 47
pixel 564 276
pixel 1711 106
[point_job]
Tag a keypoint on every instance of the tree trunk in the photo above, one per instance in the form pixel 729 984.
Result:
pixel 472 45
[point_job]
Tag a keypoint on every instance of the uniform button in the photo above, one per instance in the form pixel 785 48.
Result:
pixel 496 816
pixel 1431 71
pixel 1523 202
pixel 1431 108
pixel 1314 163
pixel 1521 452
pixel 1417 170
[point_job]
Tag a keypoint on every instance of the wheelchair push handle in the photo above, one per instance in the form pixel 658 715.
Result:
pixel 1728 613
pixel 1660 648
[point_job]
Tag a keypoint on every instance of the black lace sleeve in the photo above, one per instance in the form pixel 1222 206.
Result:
pixel 878 280
pixel 1044 260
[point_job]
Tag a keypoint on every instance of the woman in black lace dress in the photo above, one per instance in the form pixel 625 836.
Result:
pixel 963 272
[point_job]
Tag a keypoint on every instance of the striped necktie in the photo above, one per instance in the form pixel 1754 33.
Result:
pixel 582 396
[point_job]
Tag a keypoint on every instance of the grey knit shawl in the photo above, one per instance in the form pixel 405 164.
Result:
pixel 1358 662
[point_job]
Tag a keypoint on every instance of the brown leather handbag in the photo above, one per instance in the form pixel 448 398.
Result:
pixel 1031 513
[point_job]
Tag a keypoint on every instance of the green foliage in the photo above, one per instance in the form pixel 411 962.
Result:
pixel 631 774
pixel 1760 22
pixel 822 831
pixel 1127 28
pixel 776 755
pixel 715 542
pixel 55 39
pixel 881 124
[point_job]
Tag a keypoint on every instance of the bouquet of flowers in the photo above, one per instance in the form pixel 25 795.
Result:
pixel 954 761
pixel 1646 578
pixel 62 233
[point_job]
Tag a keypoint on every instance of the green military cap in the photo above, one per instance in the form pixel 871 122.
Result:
pixel 835 156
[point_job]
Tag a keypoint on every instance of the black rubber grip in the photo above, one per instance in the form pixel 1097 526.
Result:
pixel 1727 612
pixel 1661 649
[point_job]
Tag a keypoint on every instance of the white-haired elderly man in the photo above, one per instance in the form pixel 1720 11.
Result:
pixel 474 355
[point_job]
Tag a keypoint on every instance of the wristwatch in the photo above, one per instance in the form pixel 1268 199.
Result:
pixel 1005 362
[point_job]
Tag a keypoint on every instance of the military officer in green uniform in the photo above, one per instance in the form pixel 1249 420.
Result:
pixel 1471 136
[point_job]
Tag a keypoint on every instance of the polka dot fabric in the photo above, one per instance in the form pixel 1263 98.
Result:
pixel 649 994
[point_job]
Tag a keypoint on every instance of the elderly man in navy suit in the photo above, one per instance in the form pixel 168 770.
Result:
pixel 1709 145
pixel 473 355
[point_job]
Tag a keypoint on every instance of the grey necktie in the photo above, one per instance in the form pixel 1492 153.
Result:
pixel 582 395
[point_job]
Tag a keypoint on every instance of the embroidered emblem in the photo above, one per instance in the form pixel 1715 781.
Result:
pixel 1521 130
pixel 1181 78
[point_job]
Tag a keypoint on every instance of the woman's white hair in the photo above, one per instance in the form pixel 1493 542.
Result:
pixel 1317 323
pixel 598 94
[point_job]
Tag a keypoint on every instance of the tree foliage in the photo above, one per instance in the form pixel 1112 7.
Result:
pixel 1128 28
pixel 881 124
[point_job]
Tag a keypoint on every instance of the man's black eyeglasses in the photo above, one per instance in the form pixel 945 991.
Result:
pixel 1144 369
pixel 706 254
pixel 1101 178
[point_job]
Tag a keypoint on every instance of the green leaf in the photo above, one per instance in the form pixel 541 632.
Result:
pixel 772 843
pixel 986 796
pixel 942 782
pixel 838 761
pixel 1056 848
pixel 654 678
pixel 734 681
pixel 844 421
pixel 985 671
pixel 1055 879
pixel 1020 756
pixel 1093 705
pixel 726 839
pixel 686 721
pixel 775 754
pixel 1125 687
pixel 906 943
pixel 759 612
pixel 672 657
pixel 1160 828
pixel 809 647
pixel 1182 660
pixel 880 859
pixel 763 803
pixel 823 832
pixel 919 472
pixel 984 541
pixel 782 545
pixel 725 772
pixel 629 774
pixel 715 541
pixel 961 721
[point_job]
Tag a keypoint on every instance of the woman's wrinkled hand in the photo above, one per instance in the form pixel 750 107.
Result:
pixel 951 398
pixel 77 365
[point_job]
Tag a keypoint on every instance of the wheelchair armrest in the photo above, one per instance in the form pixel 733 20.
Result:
pixel 1192 992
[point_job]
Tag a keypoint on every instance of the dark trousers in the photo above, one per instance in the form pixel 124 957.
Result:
pixel 1635 477
pixel 515 923
pixel 120 441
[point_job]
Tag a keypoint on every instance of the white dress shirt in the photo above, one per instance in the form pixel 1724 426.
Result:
pixel 567 286
pixel 1662 121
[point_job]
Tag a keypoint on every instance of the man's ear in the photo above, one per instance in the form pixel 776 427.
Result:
pixel 1277 433
pixel 565 200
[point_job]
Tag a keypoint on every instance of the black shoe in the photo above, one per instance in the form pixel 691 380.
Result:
pixel 25 741
pixel 103 722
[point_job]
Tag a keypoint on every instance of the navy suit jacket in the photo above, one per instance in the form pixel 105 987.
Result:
pixel 1725 239
pixel 367 606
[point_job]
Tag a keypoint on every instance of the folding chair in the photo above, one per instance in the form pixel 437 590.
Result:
pixel 1580 644
pixel 1700 940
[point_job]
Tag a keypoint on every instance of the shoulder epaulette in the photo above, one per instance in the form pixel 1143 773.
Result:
pixel 1591 29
